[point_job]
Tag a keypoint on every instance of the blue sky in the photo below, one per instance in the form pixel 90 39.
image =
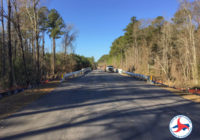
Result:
pixel 99 22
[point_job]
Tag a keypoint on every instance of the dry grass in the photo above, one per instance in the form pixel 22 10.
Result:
pixel 188 96
pixel 11 104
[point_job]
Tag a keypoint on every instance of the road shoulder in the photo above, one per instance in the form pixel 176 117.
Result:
pixel 14 103
pixel 189 96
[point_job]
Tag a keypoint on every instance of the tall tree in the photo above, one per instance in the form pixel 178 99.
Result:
pixel 9 45
pixel 68 38
pixel 55 26
pixel 43 14
pixel 17 25
pixel 33 14
pixel 3 50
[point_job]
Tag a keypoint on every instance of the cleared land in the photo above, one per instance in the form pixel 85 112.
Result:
pixel 11 104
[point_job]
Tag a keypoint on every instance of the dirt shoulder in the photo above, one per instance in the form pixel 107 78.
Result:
pixel 13 103
pixel 185 95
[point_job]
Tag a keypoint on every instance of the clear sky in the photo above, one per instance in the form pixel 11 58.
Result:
pixel 99 22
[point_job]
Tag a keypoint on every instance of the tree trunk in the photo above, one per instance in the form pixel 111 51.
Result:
pixel 54 56
pixel 194 55
pixel 23 54
pixel 15 49
pixel 3 51
pixel 43 43
pixel 43 53
pixel 19 34
pixel 35 25
pixel 33 47
pixel 195 71
pixel 38 57
pixel 9 45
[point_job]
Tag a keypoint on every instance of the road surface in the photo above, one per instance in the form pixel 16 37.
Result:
pixel 101 106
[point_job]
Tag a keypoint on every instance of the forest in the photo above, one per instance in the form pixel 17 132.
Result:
pixel 167 49
pixel 24 59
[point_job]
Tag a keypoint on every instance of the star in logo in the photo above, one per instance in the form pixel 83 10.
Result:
pixel 181 126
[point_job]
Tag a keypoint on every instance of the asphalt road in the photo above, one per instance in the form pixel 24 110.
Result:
pixel 101 106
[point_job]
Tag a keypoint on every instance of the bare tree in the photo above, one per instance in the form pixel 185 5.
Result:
pixel 69 38
pixel 191 39
pixel 16 23
pixel 32 11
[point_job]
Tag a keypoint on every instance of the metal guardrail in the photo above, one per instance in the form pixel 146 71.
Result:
pixel 66 76
pixel 135 75
pixel 11 92
pixel 75 74
pixel 139 76
pixel 151 81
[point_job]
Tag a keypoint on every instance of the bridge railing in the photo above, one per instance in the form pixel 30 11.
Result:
pixel 135 75
pixel 75 74
pixel 139 76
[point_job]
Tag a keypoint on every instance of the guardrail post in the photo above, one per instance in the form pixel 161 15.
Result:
pixel 151 77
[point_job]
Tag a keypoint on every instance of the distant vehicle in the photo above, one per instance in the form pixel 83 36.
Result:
pixel 109 69
pixel 116 70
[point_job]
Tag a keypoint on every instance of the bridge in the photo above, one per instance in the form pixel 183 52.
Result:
pixel 101 105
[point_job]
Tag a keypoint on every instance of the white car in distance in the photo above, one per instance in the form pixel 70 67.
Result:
pixel 109 69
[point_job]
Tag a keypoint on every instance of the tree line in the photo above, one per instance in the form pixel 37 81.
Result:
pixel 23 56
pixel 167 49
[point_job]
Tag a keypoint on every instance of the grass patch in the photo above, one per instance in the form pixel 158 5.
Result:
pixel 185 95
pixel 13 103
pixel 196 87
